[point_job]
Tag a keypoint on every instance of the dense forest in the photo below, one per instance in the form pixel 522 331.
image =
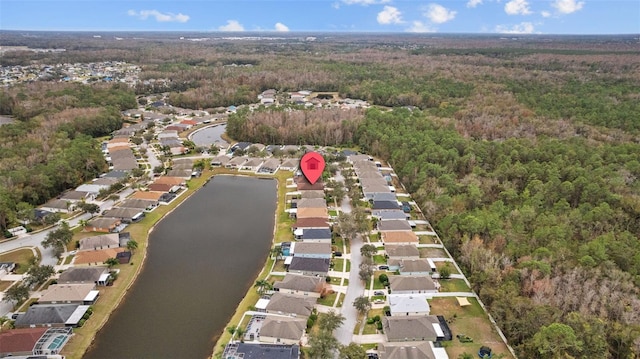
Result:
pixel 524 154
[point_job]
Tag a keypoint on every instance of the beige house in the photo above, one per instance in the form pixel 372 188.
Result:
pixel 402 251
pixel 406 284
pixel 84 294
pixel 300 285
pixel 398 237
pixel 321 212
pixel 289 304
pixel 412 328
pixel 282 330
pixel 111 240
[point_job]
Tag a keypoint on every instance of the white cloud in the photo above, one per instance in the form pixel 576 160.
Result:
pixel 160 17
pixel 567 6
pixel 419 26
pixel 439 14
pixel 281 27
pixel 232 25
pixel 522 28
pixel 474 3
pixel 365 2
pixel 517 7
pixel 545 14
pixel 389 15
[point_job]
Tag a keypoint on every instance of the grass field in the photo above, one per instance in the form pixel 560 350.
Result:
pixel 454 285
pixel 471 321
pixel 22 257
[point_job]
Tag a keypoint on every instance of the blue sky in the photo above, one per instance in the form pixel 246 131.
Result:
pixel 443 16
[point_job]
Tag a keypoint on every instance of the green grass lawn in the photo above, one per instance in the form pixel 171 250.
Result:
pixel 338 264
pixel 432 253
pixel 454 285
pixel 279 267
pixel 379 259
pixel 22 257
pixel 328 299
pixel 376 282
pixel 451 267
pixel 372 328
pixel 348 266
pixel 471 321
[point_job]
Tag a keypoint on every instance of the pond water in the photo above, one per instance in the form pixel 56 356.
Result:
pixel 202 258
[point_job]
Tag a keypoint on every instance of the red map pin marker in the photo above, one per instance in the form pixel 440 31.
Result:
pixel 312 165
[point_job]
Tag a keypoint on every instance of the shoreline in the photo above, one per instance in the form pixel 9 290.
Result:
pixel 81 342
pixel 240 308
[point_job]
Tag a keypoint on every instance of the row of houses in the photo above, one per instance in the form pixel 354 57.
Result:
pixel 279 328
pixel 409 328
pixel 257 165
pixel 47 325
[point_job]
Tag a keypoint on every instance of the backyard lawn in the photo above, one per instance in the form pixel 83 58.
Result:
pixel 471 321
pixel 453 285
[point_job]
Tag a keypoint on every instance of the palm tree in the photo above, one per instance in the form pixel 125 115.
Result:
pixel 262 285
pixel 277 252
pixel 132 245
pixel 111 262
pixel 83 223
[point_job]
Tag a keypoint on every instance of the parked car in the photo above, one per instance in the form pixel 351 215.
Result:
pixel 383 267
pixel 337 254
pixel 378 292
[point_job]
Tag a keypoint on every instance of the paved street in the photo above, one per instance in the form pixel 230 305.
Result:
pixel 344 333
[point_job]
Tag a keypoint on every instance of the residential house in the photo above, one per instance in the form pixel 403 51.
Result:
pixel 407 284
pixel 412 328
pixel 220 160
pixel 408 304
pixel 126 215
pixel 302 285
pixel 290 304
pixel 96 257
pixel 240 146
pixel 161 187
pixel 181 173
pixel 387 205
pixel 270 166
pixel 290 164
pixel 312 194
pixel 80 275
pixel 100 242
pixel 147 195
pixel 282 330
pixel 394 225
pixel 78 196
pixel 309 266
pixel 69 294
pixel 413 350
pixel 398 237
pixel 251 165
pixel 385 197
pixel 103 224
pixel 33 342
pixel 311 203
pixel 174 181
pixel 418 266
pixel 236 162
pixel 370 191
pixel 315 212
pixel 260 351
pixel 142 204
pixel 105 181
pixel 311 249
pixel 309 223
pixel 51 315
pixel 56 206
pixel 389 215
pixel 304 185
pixel 402 251
pixel 313 235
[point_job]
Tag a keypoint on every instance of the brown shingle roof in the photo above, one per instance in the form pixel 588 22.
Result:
pixel 151 195
pixel 312 212
pixel 399 237
pixel 97 256
pixel 19 340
